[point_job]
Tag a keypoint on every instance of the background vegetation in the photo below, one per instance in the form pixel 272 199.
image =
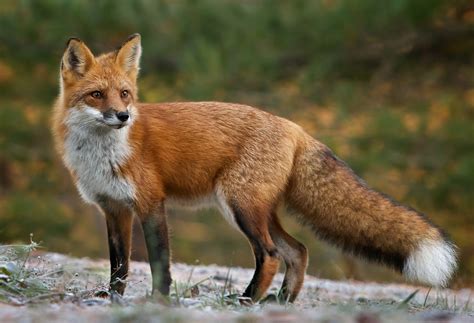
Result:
pixel 388 85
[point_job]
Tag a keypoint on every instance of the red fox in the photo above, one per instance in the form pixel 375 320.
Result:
pixel 132 158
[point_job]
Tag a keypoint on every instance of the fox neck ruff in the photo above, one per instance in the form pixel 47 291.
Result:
pixel 95 154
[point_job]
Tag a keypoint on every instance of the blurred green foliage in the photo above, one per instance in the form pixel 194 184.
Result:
pixel 389 86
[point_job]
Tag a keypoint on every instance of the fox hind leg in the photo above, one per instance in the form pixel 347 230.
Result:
pixel 253 225
pixel 295 256
pixel 251 188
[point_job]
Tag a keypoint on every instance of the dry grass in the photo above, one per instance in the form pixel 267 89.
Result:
pixel 38 286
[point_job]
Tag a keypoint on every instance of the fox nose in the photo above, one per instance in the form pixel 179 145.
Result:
pixel 123 116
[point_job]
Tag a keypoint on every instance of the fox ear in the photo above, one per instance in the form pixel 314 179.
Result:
pixel 128 55
pixel 77 59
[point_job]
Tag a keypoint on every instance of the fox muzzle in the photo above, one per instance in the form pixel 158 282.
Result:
pixel 116 119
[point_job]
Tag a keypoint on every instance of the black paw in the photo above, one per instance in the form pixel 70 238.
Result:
pixel 102 294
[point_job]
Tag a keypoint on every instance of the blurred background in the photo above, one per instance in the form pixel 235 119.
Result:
pixel 388 85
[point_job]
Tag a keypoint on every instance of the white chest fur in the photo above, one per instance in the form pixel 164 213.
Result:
pixel 95 155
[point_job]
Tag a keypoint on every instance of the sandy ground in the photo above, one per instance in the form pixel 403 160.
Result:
pixel 205 294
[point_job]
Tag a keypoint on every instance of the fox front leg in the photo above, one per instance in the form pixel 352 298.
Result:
pixel 155 228
pixel 119 231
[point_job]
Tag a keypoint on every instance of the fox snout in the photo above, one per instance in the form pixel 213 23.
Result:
pixel 115 118
pixel 121 115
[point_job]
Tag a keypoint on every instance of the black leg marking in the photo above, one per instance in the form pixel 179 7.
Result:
pixel 265 253
pixel 155 228
pixel 119 231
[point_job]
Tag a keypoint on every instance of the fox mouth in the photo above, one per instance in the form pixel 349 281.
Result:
pixel 113 123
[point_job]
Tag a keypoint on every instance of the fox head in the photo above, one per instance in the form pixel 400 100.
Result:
pixel 100 91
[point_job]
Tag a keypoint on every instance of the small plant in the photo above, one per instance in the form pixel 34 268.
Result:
pixel 406 301
pixel 20 283
pixel 187 289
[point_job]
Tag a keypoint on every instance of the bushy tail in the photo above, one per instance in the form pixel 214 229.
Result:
pixel 341 209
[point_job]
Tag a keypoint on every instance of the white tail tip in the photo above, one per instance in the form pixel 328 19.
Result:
pixel 433 263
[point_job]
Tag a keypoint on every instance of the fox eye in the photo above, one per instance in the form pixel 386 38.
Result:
pixel 97 95
pixel 124 94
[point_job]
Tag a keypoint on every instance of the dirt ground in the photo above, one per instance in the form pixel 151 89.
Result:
pixel 209 294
